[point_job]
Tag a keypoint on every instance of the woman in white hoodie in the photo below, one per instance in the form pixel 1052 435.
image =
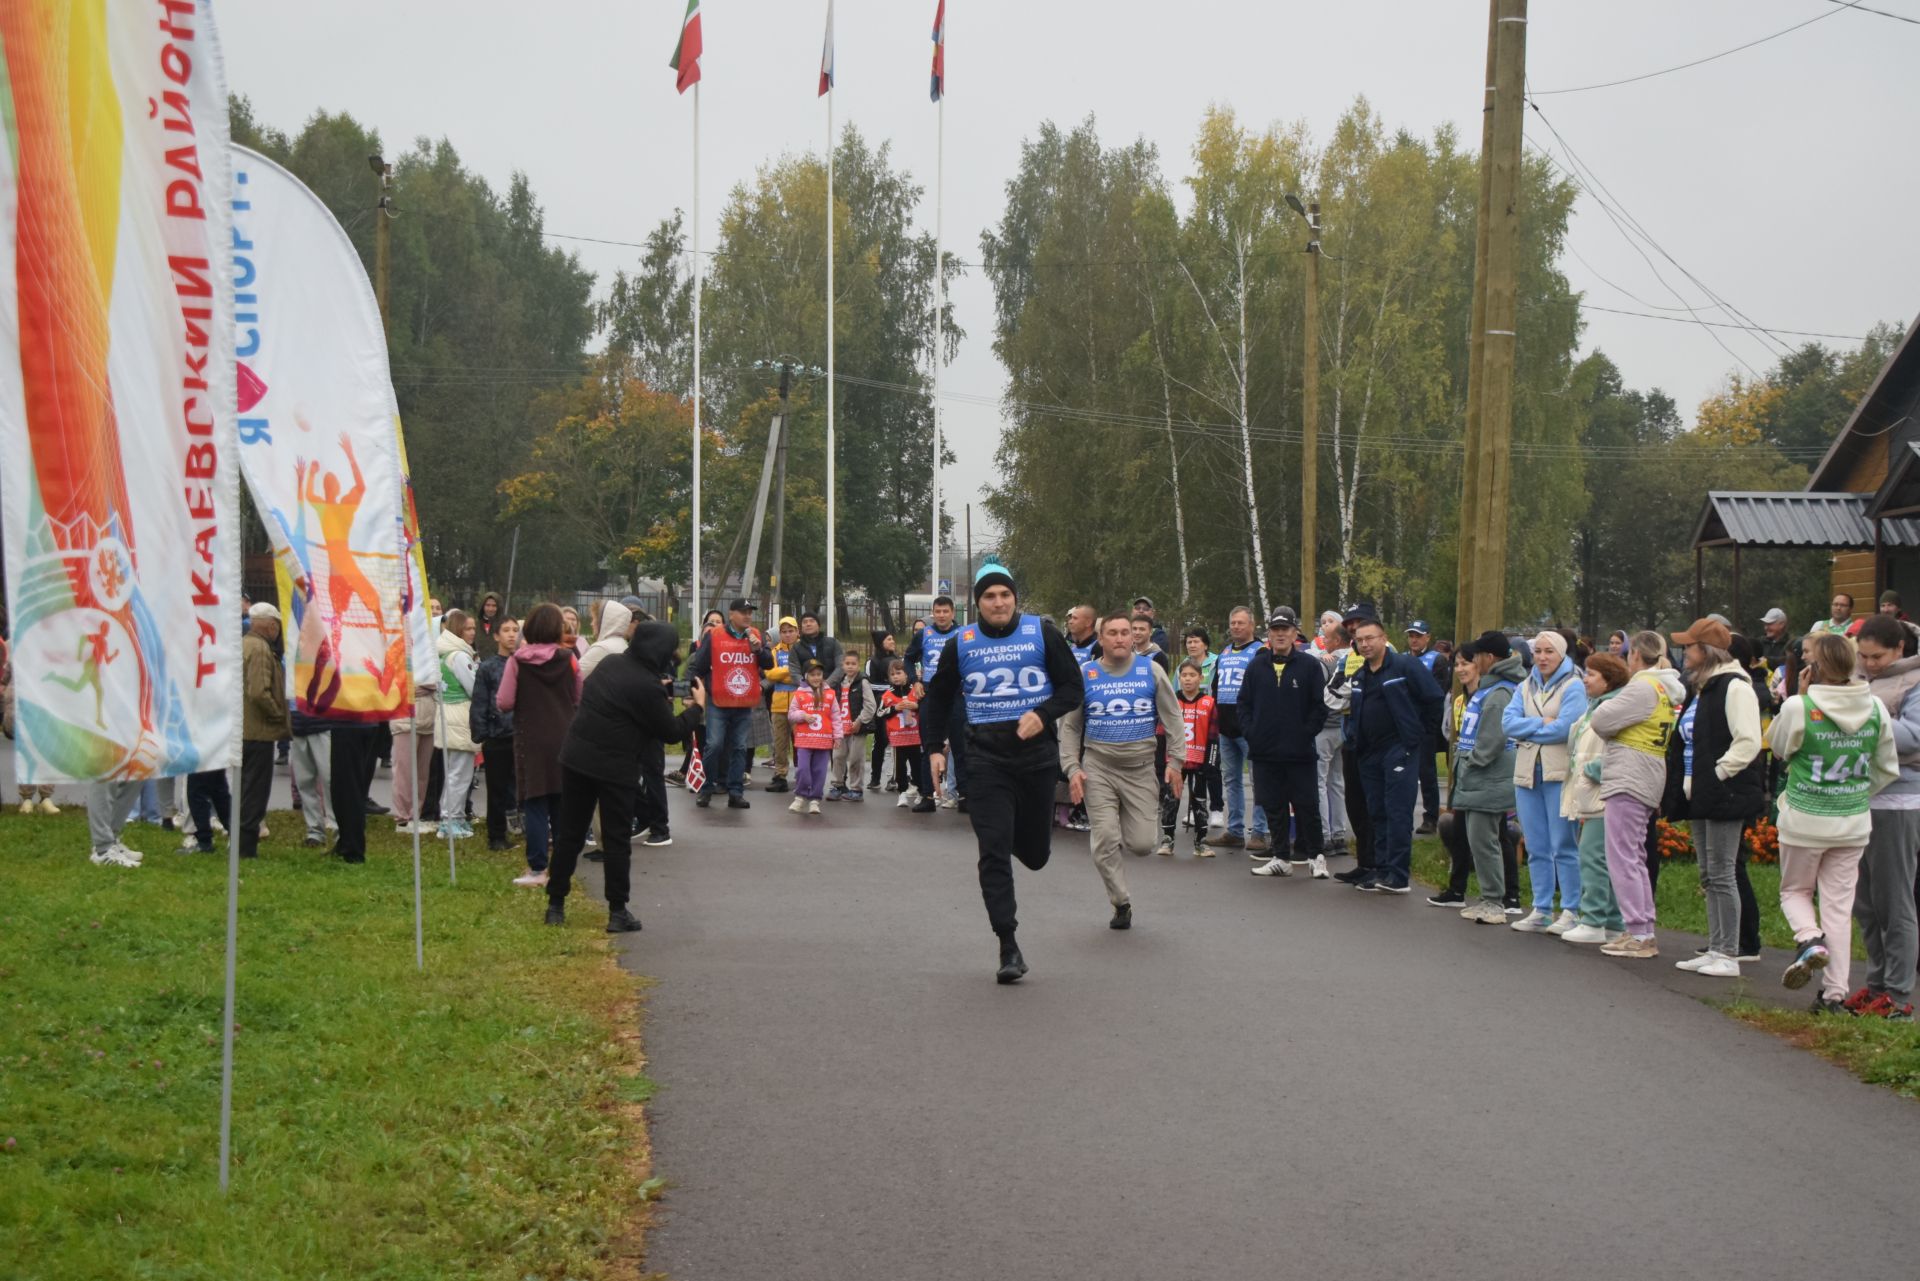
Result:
pixel 452 732
pixel 1835 742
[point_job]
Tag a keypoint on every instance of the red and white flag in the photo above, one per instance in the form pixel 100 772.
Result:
pixel 696 773
pixel 826 57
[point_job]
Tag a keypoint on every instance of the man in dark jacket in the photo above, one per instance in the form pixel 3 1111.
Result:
pixel 1395 712
pixel 1017 678
pixel 1420 648
pixel 624 715
pixel 492 728
pixel 1282 710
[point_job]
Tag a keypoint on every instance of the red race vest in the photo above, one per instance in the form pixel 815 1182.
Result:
pixel 903 728
pixel 1199 717
pixel 736 672
pixel 820 722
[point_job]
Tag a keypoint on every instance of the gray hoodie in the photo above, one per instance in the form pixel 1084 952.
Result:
pixel 1484 779
pixel 614 620
pixel 1895 687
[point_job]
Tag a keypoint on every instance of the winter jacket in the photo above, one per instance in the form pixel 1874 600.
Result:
pixel 1729 779
pixel 1283 706
pixel 451 731
pixel 1483 778
pixel 1541 718
pixel 485 645
pixel 819 648
pixel 1627 767
pixel 485 717
pixel 1895 688
pixel 1849 708
pixel 1580 797
pixel 265 719
pixel 614 620
pixel 541 687
pixel 625 715
pixel 1413 700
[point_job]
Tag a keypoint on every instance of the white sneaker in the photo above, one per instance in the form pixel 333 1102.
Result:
pixel 1217 819
pixel 1694 962
pixel 1533 922
pixel 1319 866
pixel 1720 967
pixel 799 806
pixel 28 807
pixel 531 879
pixel 1699 964
pixel 1274 867
pixel 813 807
pixel 948 802
pixel 1562 923
pixel 48 807
pixel 116 855
pixel 907 799
pixel 1587 934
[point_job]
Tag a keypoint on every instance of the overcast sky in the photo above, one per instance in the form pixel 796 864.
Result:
pixel 1781 176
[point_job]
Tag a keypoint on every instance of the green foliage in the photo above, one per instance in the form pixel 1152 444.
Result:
pixel 475 1120
pixel 483 317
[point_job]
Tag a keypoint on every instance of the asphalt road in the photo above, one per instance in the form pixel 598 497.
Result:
pixel 1261 1079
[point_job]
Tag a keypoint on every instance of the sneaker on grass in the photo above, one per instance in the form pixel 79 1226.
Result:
pixel 116 855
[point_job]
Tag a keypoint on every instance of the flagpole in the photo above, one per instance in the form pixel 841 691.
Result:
pixel 833 615
pixel 939 318
pixel 694 619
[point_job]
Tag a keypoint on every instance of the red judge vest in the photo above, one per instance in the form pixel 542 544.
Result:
pixel 736 671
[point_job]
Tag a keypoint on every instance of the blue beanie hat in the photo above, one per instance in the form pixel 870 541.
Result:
pixel 992 574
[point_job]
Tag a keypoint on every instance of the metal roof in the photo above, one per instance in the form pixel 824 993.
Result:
pixel 1796 519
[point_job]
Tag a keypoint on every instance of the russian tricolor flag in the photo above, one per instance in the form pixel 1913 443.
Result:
pixel 826 57
pixel 940 52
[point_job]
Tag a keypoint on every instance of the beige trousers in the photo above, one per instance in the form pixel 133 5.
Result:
pixel 782 744
pixel 1123 808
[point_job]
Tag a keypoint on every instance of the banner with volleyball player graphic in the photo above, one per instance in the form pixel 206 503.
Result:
pixel 118 490
pixel 319 446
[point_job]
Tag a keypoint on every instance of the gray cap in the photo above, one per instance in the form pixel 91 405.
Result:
pixel 1774 615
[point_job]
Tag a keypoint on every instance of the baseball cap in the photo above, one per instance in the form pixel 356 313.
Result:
pixel 1418 627
pixel 1774 615
pixel 787 621
pixel 1494 642
pixel 1283 617
pixel 1705 632
pixel 261 609
pixel 1360 612
pixel 741 605
pixel 1144 600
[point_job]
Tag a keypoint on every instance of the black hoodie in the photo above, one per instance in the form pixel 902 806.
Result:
pixel 625 716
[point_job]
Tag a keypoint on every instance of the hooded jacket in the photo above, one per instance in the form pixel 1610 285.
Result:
pixel 1627 770
pixel 1541 718
pixel 614 619
pixel 1895 687
pixel 1483 778
pixel 541 687
pixel 486 718
pixel 452 730
pixel 625 716
pixel 1850 708
pixel 485 644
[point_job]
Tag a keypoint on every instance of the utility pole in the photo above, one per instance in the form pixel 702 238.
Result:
pixel 969 562
pixel 1310 415
pixel 780 495
pixel 382 214
pixel 1501 217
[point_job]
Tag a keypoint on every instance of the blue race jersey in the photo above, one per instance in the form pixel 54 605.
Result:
pixel 1003 678
pixel 932 645
pixel 1686 734
pixel 1083 654
pixel 1470 719
pixel 1121 708
pixel 1231 669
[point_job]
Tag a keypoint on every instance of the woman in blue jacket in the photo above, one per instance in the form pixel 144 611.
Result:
pixel 1538 721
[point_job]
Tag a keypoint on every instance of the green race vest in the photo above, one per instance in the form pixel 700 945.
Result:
pixel 1830 776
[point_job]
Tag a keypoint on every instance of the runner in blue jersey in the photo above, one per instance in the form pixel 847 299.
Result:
pixel 923 657
pixel 1016 678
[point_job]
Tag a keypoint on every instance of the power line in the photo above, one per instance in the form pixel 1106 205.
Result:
pixel 1697 62
pixel 1897 17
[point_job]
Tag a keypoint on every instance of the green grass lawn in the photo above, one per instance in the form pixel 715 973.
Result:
pixel 1876 1051
pixel 1679 900
pixel 479 1120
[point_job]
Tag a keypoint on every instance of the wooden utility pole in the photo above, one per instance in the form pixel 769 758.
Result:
pixel 1485 510
pixel 1465 625
pixel 1310 424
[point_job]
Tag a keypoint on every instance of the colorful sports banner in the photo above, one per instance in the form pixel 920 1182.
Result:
pixel 319 445
pixel 119 484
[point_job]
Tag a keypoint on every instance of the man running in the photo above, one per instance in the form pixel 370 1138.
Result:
pixel 1243 829
pixel 1127 694
pixel 923 659
pixel 1014 678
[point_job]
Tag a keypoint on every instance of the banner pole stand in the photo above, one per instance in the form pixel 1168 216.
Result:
pixel 226 1021
pixel 413 763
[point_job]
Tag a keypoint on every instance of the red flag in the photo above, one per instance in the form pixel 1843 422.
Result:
pixel 696 773
pixel 826 57
pixel 686 54
pixel 940 51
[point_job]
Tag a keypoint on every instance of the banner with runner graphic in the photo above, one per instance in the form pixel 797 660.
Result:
pixel 119 484
pixel 319 445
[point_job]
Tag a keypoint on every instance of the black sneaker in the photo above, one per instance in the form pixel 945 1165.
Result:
pixel 596 855
pixel 1013 966
pixel 556 914
pixel 375 807
pixel 735 801
pixel 498 846
pixel 1427 828
pixel 1388 887
pixel 1824 1004
pixel 1447 898
pixel 703 800
pixel 621 921
pixel 924 806
pixel 1122 917
pixel 1368 885
pixel 1354 875
pixel 659 838
pixel 777 785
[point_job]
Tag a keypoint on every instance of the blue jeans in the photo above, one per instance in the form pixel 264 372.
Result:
pixel 1233 765
pixel 536 820
pixel 723 746
pixel 1553 845
pixel 1390 777
pixel 148 809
